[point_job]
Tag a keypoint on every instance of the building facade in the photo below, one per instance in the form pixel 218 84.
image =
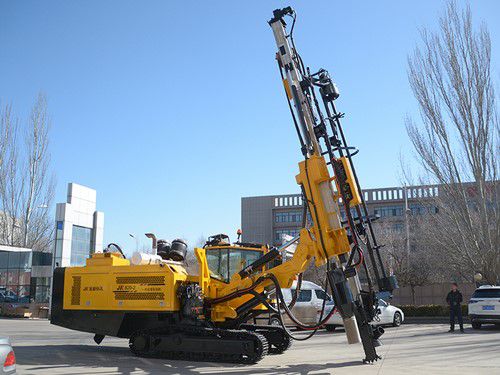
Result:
pixel 79 227
pixel 265 219
pixel 24 275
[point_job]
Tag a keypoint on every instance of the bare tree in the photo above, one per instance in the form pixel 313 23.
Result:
pixel 413 268
pixel 191 261
pixel 26 184
pixel 456 141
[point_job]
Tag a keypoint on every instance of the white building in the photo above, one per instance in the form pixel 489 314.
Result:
pixel 79 227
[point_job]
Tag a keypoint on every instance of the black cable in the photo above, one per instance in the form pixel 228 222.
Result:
pixel 118 248
pixel 296 292
pixel 280 296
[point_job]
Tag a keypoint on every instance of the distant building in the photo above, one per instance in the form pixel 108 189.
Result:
pixel 79 227
pixel 265 219
pixel 24 275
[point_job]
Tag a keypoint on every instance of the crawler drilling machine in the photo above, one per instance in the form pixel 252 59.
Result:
pixel 163 310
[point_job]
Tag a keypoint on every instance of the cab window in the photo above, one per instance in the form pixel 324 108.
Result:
pixel 225 262
pixel 321 294
pixel 304 295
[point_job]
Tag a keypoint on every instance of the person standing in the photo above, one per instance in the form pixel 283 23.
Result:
pixel 454 299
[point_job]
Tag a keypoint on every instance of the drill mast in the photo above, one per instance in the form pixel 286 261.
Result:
pixel 324 147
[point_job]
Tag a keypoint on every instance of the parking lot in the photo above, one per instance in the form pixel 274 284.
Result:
pixel 410 349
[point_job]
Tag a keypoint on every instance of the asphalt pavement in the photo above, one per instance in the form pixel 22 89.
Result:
pixel 410 349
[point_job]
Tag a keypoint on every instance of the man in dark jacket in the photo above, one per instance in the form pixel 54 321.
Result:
pixel 454 299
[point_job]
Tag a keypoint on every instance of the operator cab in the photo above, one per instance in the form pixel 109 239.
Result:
pixel 225 259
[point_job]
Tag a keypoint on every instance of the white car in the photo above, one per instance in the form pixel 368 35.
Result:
pixel 484 306
pixel 309 301
pixel 387 315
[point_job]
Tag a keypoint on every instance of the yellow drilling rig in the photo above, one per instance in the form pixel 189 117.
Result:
pixel 164 311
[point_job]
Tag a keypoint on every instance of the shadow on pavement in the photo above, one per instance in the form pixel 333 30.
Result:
pixel 485 330
pixel 87 359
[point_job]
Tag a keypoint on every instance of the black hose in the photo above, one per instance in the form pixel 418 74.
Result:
pixel 296 292
pixel 314 328
pixel 118 248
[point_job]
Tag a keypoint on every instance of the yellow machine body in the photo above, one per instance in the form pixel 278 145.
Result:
pixel 109 282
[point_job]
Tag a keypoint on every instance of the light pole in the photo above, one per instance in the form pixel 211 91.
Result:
pixel 407 224
pixel 136 241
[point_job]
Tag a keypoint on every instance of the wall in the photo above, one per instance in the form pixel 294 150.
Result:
pixel 434 294
pixel 257 219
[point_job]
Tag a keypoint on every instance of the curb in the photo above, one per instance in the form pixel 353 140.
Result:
pixel 431 320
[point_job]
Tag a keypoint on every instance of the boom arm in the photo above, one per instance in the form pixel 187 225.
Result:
pixel 336 238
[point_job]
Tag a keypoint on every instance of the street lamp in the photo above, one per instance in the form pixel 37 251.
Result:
pixel 407 223
pixel 136 241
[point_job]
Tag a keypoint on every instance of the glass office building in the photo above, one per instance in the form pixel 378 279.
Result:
pixel 22 279
pixel 79 227
pixel 82 245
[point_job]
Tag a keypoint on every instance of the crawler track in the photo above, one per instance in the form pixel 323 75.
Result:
pixel 276 337
pixel 200 344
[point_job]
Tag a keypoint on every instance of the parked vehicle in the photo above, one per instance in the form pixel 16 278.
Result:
pixel 387 315
pixel 309 302
pixel 8 296
pixel 7 357
pixel 484 306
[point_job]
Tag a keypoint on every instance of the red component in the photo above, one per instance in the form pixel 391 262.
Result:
pixel 10 360
pixel 239 231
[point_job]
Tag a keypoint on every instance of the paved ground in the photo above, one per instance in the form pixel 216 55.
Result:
pixel 411 349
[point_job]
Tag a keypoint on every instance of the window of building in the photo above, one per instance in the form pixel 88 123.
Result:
pixel 398 227
pixel 4 259
pixel 41 258
pixel 25 260
pixel 40 289
pixel 288 217
pixel 389 211
pixel 82 245
pixel 14 259
pixel 15 276
pixel 58 243
pixel 419 209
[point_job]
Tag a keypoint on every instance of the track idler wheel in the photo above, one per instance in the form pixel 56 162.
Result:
pixel 140 344
pixel 261 348
pixel 282 346
pixel 277 338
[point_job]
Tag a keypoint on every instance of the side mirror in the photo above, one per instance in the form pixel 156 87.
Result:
pixel 379 311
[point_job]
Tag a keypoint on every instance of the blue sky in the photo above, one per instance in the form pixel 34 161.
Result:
pixel 173 111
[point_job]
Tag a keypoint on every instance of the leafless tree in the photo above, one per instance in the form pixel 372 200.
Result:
pixel 413 267
pixel 191 261
pixel 456 141
pixel 26 183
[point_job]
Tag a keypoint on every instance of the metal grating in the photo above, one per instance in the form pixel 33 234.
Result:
pixel 148 280
pixel 75 290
